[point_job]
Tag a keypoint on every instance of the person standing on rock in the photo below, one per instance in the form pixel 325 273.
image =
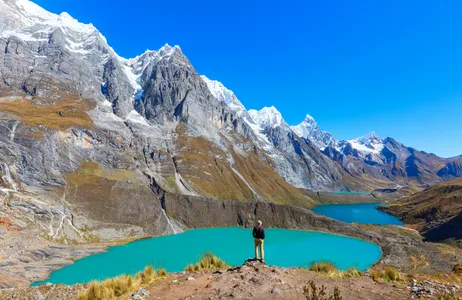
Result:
pixel 258 237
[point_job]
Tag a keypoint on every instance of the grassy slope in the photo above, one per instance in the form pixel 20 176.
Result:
pixel 436 212
pixel 49 114
pixel 206 167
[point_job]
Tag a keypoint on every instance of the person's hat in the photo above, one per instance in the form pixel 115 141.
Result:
pixel 259 222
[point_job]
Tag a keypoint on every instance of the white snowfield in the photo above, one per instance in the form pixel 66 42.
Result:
pixel 369 143
pixel 28 21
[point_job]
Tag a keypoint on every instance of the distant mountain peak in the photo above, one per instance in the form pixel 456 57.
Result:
pixel 267 117
pixel 309 129
pixel 370 138
pixel 309 118
pixel 369 143
pixel 169 50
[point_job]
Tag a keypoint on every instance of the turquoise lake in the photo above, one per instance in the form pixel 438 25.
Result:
pixel 351 193
pixel 284 248
pixel 364 213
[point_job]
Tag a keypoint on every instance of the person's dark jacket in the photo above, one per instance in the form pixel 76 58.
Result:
pixel 258 232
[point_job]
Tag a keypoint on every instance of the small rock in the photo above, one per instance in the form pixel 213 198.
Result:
pixel 174 281
pixel 191 278
pixel 255 280
pixel 139 293
pixel 457 269
pixel 143 292
pixel 276 291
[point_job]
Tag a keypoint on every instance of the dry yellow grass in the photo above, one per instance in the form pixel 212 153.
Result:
pixel 328 270
pixel 121 286
pixel 388 274
pixel 89 172
pixel 208 262
pixel 57 114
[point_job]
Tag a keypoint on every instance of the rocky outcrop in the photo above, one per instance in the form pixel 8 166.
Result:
pixel 451 170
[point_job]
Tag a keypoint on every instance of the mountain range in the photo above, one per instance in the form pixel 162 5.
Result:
pixel 96 139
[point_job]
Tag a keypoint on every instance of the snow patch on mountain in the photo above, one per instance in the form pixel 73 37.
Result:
pixel 267 117
pixel 370 143
pixel 223 94
pixel 29 22
pixel 134 116
pixel 24 13
pixel 260 133
pixel 306 127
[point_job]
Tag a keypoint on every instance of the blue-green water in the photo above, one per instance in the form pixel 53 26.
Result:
pixel 285 248
pixel 359 213
pixel 351 193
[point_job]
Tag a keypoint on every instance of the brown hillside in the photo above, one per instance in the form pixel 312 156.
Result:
pixel 436 212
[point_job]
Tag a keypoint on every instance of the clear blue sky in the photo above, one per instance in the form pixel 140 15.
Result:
pixel 394 67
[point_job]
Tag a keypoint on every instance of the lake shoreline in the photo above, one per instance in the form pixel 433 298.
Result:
pixel 393 240
pixel 284 248
pixel 362 213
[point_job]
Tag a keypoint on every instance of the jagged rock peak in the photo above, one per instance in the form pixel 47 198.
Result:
pixel 309 129
pixel 370 138
pixel 306 127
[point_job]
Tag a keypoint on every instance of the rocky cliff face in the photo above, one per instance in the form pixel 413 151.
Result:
pixel 85 133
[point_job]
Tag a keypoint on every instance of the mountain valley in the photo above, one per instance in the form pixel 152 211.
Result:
pixel 98 150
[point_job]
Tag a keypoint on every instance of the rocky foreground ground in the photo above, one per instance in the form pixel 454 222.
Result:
pixel 254 280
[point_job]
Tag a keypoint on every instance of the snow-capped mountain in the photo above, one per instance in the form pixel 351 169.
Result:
pixel 154 105
pixel 309 129
pixel 369 145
